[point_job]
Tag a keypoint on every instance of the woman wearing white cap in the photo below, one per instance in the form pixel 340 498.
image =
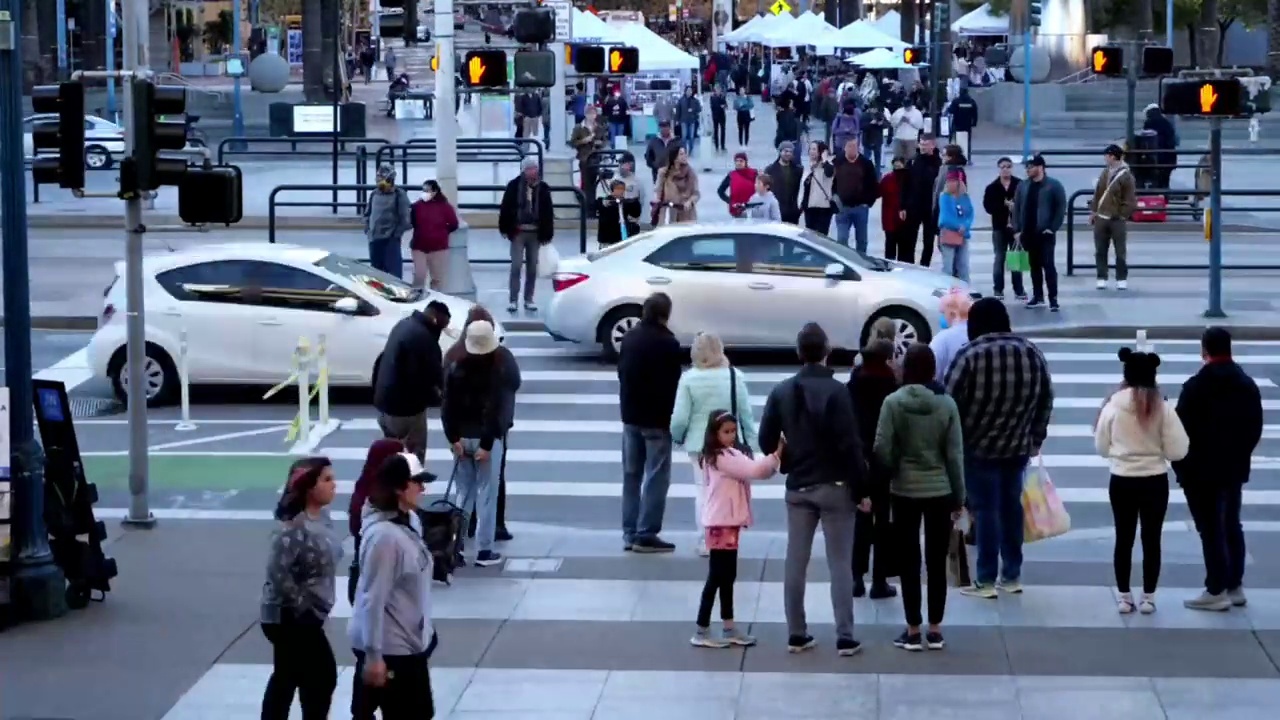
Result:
pixel 479 407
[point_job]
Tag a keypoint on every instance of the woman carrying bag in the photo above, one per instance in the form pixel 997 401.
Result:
pixel 677 190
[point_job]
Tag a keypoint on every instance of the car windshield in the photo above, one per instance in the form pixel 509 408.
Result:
pixel 844 252
pixel 389 287
pixel 611 249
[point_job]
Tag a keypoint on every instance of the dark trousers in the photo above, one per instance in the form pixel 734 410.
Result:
pixel 818 219
pixel 892 241
pixel 791 216
pixel 302 663
pixel 1001 241
pixel 722 573
pixel 935 515
pixel 926 228
pixel 1044 269
pixel 405 696
pixel 874 530
pixel 387 256
pixel 1216 512
pixel 744 128
pixel 718 132
pixel 1134 501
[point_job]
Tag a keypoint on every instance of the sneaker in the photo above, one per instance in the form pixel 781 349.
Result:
pixel 998 294
pixel 1020 297
pixel 1054 307
pixel 1125 604
pixel 513 308
pixel 1101 284
pixel 1011 587
pixel 1122 284
pixel 502 534
pixel 652 545
pixel 800 643
pixel 934 641
pixel 859 588
pixel 1148 604
pixel 702 637
pixel 848 647
pixel 485 558
pixel 987 592
pixel 739 638
pixel 1035 303
pixel 1237 597
pixel 628 546
pixel 1205 601
pixel 911 642
pixel 882 591
pixel 530 307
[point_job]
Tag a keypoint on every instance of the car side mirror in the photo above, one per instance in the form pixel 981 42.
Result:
pixel 834 271
pixel 347 305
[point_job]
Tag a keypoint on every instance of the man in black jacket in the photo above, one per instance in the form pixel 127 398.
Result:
pixel 1221 408
pixel 917 203
pixel 855 188
pixel 409 377
pixel 812 415
pixel 964 118
pixel 649 367
pixel 997 200
pixel 526 218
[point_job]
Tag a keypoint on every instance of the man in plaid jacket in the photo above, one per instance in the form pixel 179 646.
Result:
pixel 1001 384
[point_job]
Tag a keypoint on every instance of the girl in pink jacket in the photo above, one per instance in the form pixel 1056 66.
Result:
pixel 727 472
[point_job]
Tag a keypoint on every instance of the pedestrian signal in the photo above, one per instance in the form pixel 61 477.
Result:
pixel 485 69
pixel 62 134
pixel 1107 60
pixel 534 68
pixel 624 61
pixel 1220 97
pixel 913 56
pixel 589 60
pixel 435 61
pixel 1157 60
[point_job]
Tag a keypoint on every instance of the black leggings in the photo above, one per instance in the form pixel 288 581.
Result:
pixel 908 514
pixel 1134 500
pixel 722 572
pixel 717 133
pixel 744 128
pixel 302 663
pixel 406 694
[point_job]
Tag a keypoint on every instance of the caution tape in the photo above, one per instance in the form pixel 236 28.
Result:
pixel 295 427
pixel 287 382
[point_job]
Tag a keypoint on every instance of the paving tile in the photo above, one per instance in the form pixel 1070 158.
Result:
pixel 527 691
pixel 1161 653
pixel 970 651
pixel 1077 607
pixel 1195 698
pixel 605 646
pixel 671 685
pixel 490 598
pixel 581 599
pixel 661 708
pixel 948 696
pixel 678 601
pixel 1095 698
pixel 813 695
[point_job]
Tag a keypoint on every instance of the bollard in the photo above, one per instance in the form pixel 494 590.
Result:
pixel 457 274
pixel 301 358
pixel 184 384
pixel 322 381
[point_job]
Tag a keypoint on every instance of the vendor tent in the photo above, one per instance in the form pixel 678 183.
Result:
pixel 880 59
pixel 735 36
pixel 862 35
pixel 981 22
pixel 890 24
pixel 797 33
pixel 589 28
pixel 656 54
pixel 766 27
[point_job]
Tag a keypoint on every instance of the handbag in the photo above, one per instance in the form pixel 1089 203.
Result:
pixel 950 238
pixel 740 442
pixel 1016 259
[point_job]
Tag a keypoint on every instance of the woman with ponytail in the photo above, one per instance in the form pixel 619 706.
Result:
pixel 299 593
pixel 379 451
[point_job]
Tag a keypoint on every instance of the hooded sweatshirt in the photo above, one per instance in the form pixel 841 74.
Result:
pixel 1136 450
pixel 947 345
pixel 391 614
pixel 918 441
pixel 764 207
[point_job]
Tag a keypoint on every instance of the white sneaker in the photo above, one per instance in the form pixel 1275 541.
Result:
pixel 1122 284
pixel 1101 285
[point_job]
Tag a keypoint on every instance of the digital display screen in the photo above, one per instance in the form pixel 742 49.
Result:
pixel 50 405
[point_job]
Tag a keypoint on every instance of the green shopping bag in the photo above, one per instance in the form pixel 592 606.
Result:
pixel 1017 260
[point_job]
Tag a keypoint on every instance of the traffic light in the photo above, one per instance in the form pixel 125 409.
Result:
pixel 65 135
pixel 624 61
pixel 1107 60
pixel 535 68
pixel 534 26
pixel 485 69
pixel 914 56
pixel 211 196
pixel 1034 8
pixel 151 134
pixel 1157 60
pixel 1219 97
pixel 435 60
pixel 589 60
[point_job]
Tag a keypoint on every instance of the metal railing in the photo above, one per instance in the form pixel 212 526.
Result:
pixel 314 146
pixel 469 150
pixel 1193 212
pixel 362 191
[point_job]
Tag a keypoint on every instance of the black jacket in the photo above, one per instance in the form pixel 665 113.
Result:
pixel 786 185
pixel 410 374
pixel 788 129
pixel 480 397
pixel 824 445
pixel 870 191
pixel 509 211
pixel 1221 408
pixel 649 369
pixel 964 113
pixel 917 191
pixel 719 107
pixel 868 389
pixel 609 226
pixel 993 202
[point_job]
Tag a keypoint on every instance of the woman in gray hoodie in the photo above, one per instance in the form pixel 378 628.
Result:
pixel 390 629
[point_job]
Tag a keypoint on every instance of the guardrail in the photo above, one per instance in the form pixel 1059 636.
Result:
pixel 469 150
pixel 1193 212
pixel 259 146
pixel 362 191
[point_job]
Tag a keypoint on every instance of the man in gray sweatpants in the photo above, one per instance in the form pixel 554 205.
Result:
pixel 811 416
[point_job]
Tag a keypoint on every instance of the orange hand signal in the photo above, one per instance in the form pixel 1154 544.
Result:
pixel 1099 61
pixel 615 60
pixel 475 69
pixel 1208 98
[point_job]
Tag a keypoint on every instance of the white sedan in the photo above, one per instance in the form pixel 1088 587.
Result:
pixel 103 140
pixel 242 308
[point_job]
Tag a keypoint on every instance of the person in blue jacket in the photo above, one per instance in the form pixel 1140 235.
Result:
pixel 955 220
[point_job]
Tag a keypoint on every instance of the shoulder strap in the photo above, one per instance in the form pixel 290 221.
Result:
pixel 733 400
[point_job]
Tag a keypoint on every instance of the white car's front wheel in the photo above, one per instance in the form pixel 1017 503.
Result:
pixel 909 328
pixel 97 157
pixel 158 372
pixel 614 327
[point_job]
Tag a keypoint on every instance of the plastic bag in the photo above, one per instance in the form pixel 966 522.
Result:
pixel 548 259
pixel 1017 260
pixel 1043 514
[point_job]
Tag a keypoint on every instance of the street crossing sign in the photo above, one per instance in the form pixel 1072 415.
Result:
pixel 780 7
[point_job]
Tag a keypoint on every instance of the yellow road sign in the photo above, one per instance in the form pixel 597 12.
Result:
pixel 476 69
pixel 780 7
pixel 1208 98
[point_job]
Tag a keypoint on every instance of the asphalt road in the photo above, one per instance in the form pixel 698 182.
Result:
pixel 49 348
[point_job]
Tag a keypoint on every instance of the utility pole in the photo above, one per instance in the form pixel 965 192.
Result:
pixel 1215 221
pixel 446 91
pixel 112 30
pixel 63 50
pixel 237 43
pixel 38 583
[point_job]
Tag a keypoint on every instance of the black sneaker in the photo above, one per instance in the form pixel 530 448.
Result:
pixel 859 588
pixel 848 647
pixel 628 546
pixel 1020 297
pixel 1033 303
pixel 883 590
pixel 934 640
pixel 652 545
pixel 1053 307
pixel 909 641
pixel 485 558
pixel 502 535
pixel 800 643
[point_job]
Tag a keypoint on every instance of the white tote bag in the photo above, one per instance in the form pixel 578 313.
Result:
pixel 548 259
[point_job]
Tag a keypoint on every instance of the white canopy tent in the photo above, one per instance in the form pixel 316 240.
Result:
pixel 656 54
pixel 796 33
pixel 589 28
pixel 880 59
pixel 735 36
pixel 862 35
pixel 890 24
pixel 981 22
pixel 766 27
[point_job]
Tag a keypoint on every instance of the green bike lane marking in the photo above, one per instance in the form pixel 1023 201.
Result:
pixel 194 472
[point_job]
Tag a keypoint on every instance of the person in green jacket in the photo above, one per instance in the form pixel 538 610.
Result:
pixel 918 440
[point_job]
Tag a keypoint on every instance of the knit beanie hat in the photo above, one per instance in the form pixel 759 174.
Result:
pixel 1139 368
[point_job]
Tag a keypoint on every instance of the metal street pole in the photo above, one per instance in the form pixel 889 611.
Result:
pixel 1131 89
pixel 112 27
pixel 446 91
pixel 1215 223
pixel 1168 23
pixel 62 40
pixel 38 583
pixel 336 83
pixel 1026 93
pixel 237 43
pixel 135 23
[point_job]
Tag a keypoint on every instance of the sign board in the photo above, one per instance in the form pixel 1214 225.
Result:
pixel 314 119
pixel 564 19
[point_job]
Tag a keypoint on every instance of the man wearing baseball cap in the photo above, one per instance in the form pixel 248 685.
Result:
pixel 1039 209
pixel 1114 199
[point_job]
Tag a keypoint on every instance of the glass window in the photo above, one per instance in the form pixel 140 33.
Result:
pixel 219 281
pixel 90 125
pixel 844 252
pixel 697 252
pixel 289 287
pixel 388 286
pixel 772 255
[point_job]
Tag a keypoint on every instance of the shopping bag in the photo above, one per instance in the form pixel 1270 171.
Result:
pixel 548 259
pixel 1017 260
pixel 958 560
pixel 1044 516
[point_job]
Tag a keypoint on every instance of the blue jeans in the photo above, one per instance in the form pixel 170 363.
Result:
pixel 994 488
pixel 616 130
pixel 646 475
pixel 955 260
pixel 1216 512
pixel 855 217
pixel 1001 241
pixel 476 489
pixel 387 256
pixel 689 132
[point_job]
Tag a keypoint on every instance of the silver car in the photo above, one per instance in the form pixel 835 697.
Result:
pixel 754 284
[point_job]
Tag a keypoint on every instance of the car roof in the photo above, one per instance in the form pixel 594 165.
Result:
pixel 668 232
pixel 267 252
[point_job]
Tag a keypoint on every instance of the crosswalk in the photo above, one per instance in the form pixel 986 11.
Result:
pixel 570 626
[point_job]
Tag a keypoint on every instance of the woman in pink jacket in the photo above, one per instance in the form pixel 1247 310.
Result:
pixel 727 472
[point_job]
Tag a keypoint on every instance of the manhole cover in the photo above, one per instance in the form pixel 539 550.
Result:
pixel 94 407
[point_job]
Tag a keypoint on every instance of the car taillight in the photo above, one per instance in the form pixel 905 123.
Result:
pixel 564 281
pixel 108 312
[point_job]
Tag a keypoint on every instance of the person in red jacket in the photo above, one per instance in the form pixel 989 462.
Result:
pixel 738 185
pixel 379 452
pixel 433 219
pixel 890 192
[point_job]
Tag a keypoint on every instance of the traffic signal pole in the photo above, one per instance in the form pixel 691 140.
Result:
pixel 1134 57
pixel 446 91
pixel 38 583
pixel 1215 221
pixel 1026 93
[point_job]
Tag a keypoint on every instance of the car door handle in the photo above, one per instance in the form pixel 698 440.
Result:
pixel 760 286
pixel 270 322
pixel 659 281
